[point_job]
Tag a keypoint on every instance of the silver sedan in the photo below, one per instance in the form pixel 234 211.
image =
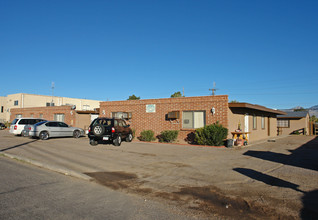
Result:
pixel 46 129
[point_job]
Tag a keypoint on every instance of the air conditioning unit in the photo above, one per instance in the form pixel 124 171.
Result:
pixel 174 115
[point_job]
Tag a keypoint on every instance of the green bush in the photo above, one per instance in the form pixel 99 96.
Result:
pixel 147 135
pixel 168 136
pixel 212 135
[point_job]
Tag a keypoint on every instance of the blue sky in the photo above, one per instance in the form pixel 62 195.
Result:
pixel 261 52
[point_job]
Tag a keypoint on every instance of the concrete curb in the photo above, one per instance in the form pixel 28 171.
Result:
pixel 50 167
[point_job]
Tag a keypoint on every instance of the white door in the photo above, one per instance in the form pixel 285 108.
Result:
pixel 198 119
pixel 246 124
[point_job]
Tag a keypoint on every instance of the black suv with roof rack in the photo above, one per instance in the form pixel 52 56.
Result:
pixel 109 130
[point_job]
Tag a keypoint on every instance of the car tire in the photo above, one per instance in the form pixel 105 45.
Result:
pixel 117 141
pixel 44 135
pixel 98 130
pixel 76 134
pixel 129 138
pixel 93 142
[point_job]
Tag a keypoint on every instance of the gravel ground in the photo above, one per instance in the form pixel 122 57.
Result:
pixel 267 180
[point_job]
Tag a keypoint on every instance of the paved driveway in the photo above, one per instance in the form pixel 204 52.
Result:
pixel 270 179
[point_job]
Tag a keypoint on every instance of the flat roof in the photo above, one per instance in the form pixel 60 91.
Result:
pixel 256 107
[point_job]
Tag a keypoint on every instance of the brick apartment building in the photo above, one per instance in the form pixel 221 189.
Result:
pixel 184 114
pixel 67 114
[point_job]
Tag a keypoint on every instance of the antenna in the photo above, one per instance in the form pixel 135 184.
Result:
pixel 52 93
pixel 213 89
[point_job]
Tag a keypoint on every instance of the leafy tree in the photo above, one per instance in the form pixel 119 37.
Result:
pixel 234 101
pixel 313 118
pixel 176 94
pixel 300 109
pixel 133 97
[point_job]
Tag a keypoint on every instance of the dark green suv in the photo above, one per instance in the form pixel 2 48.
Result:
pixel 109 130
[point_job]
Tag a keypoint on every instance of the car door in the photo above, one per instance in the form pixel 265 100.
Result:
pixel 123 128
pixel 52 128
pixel 65 130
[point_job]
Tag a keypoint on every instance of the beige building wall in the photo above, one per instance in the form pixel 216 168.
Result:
pixel 266 123
pixel 296 124
pixel 23 100
pixel 3 109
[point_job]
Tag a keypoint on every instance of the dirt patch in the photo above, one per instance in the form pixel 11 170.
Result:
pixel 121 181
pixel 208 200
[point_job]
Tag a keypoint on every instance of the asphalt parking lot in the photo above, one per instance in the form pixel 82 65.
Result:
pixel 266 180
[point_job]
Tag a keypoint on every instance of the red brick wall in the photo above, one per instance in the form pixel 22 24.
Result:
pixel 157 121
pixel 48 113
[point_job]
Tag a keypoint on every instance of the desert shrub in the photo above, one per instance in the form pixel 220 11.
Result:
pixel 212 135
pixel 147 135
pixel 168 136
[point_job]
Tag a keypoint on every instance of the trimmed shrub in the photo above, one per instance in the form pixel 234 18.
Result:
pixel 212 135
pixel 168 136
pixel 147 135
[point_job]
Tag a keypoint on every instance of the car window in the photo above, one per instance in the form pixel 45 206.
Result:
pixel 121 123
pixel 115 123
pixel 51 124
pixel 40 123
pixel 14 121
pixel 103 121
pixel 61 124
pixel 23 122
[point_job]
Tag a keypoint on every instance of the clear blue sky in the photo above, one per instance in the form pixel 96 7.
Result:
pixel 258 51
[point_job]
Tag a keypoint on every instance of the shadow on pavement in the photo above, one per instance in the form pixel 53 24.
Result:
pixel 310 205
pixel 269 180
pixel 305 156
pixel 19 145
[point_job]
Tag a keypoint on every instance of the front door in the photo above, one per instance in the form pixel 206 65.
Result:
pixel 246 124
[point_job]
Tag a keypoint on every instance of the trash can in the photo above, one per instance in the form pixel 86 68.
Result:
pixel 229 143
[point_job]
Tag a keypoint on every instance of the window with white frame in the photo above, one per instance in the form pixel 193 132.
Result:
pixel 16 103
pixel 282 123
pixel 254 122
pixel 18 116
pixel 193 119
pixel 59 117
pixel 263 122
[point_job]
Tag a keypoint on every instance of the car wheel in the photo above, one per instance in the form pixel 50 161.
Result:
pixel 129 138
pixel 76 134
pixel 98 130
pixel 117 141
pixel 93 142
pixel 44 135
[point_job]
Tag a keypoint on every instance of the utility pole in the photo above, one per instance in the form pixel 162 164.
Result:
pixel 183 92
pixel 213 89
pixel 52 93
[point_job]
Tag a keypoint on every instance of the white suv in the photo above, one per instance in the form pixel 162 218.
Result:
pixel 18 124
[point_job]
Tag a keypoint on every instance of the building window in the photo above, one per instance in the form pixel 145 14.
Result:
pixel 16 103
pixel 41 115
pixel 193 119
pixel 2 109
pixel 263 122
pixel 18 116
pixel 282 123
pixel 86 107
pixel 123 115
pixel 254 122
pixel 32 115
pixel 59 117
pixel 49 104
